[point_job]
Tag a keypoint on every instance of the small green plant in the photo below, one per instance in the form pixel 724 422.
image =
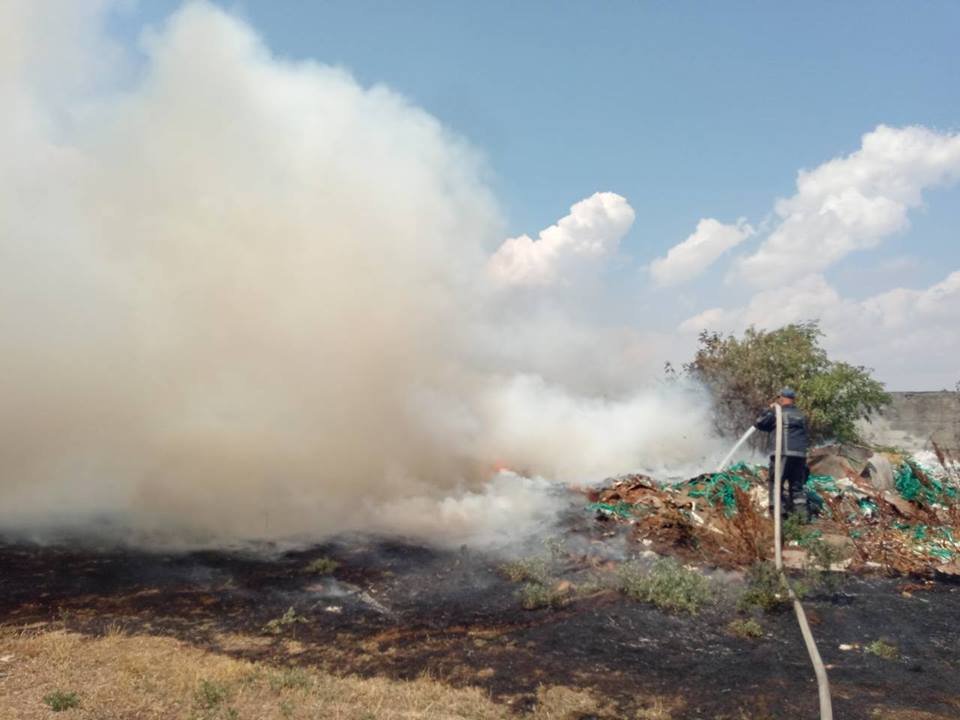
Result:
pixel 765 589
pixel 59 700
pixel 210 694
pixel 748 629
pixel 795 529
pixel 288 620
pixel 532 569
pixel 821 556
pixel 667 584
pixel 534 596
pixel 556 546
pixel 322 566
pixel 882 650
pixel 286 708
pixel 231 714
pixel 289 679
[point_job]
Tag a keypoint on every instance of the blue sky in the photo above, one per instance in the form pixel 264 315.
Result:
pixel 687 110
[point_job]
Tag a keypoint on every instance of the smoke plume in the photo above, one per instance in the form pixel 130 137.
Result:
pixel 243 297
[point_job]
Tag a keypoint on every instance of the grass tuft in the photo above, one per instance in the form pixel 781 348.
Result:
pixel 534 596
pixel 765 589
pixel 210 694
pixel 288 620
pixel 289 679
pixel 748 629
pixel 59 700
pixel 667 584
pixel 322 566
pixel 882 650
pixel 532 569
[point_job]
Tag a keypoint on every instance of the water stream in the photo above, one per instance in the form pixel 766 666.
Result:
pixel 736 447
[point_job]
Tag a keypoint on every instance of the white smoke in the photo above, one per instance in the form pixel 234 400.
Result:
pixel 242 297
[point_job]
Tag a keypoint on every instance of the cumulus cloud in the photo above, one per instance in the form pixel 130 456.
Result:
pixel 901 307
pixel 912 333
pixel 908 335
pixel 715 318
pixel 593 229
pixel 851 203
pixel 690 258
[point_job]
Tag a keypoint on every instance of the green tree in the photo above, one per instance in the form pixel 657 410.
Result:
pixel 745 374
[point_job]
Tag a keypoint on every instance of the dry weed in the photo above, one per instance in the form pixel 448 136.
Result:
pixel 154 678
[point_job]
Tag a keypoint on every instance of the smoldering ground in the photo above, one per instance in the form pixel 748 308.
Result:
pixel 247 297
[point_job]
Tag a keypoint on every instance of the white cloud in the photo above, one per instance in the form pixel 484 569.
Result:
pixel 908 335
pixel 851 203
pixel 593 229
pixel 712 319
pixel 903 309
pixel 690 258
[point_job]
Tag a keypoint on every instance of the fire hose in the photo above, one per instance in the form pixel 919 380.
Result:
pixel 823 683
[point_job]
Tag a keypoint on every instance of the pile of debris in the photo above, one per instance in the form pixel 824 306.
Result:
pixel 880 510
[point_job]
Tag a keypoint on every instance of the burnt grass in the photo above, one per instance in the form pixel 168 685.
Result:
pixel 400 609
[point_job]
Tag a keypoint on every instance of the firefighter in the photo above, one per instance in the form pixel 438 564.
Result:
pixel 793 497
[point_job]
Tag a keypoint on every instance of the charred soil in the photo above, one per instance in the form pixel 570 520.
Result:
pixel 388 608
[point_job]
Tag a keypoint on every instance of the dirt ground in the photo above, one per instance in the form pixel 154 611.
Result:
pixel 392 611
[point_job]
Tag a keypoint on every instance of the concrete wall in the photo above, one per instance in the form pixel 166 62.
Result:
pixel 915 418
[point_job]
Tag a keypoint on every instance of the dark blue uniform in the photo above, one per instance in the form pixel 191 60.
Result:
pixel 793 494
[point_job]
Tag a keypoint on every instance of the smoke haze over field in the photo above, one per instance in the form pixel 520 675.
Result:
pixel 243 297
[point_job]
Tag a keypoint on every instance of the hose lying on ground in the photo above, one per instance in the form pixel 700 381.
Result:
pixel 823 683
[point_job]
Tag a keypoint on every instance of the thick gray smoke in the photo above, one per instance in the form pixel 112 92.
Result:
pixel 243 298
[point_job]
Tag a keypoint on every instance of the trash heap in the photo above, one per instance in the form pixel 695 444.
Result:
pixel 886 510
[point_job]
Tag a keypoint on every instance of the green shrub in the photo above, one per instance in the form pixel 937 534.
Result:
pixel 59 700
pixel 882 650
pixel 322 566
pixel 745 374
pixel 765 589
pixel 748 628
pixel 822 555
pixel 667 584
pixel 288 620
pixel 289 679
pixel 534 596
pixel 795 529
pixel 210 694
pixel 532 569
pixel 817 574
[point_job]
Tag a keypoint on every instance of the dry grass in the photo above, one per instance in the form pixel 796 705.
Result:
pixel 747 532
pixel 120 677
pixel 659 710
pixel 884 714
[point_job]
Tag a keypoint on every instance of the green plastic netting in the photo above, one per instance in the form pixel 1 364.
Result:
pixel 816 487
pixel 918 485
pixel 620 509
pixel 720 488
